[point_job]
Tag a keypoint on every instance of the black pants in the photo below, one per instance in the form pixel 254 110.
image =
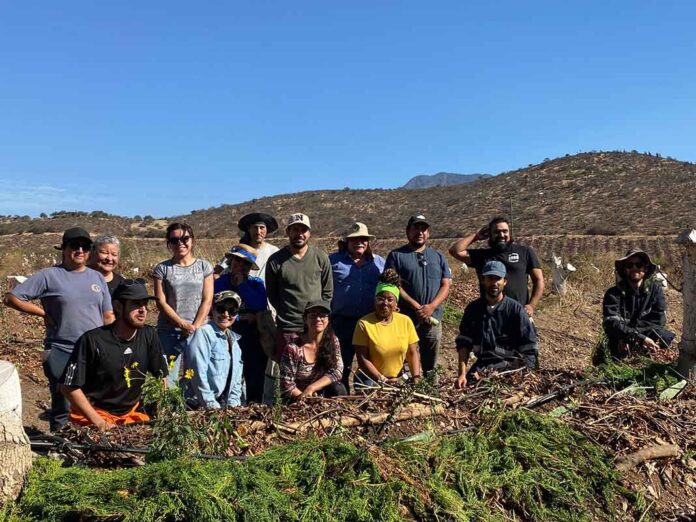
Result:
pixel 53 368
pixel 254 360
pixel 344 327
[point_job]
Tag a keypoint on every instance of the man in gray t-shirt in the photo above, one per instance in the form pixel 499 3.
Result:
pixel 74 299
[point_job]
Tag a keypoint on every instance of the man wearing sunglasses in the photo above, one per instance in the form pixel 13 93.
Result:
pixel 105 374
pixel 634 309
pixel 426 280
pixel 74 299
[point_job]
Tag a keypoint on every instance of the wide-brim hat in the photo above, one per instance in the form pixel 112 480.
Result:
pixel 258 217
pixel 650 267
pixel 359 230
pixel 72 234
pixel 244 252
pixel 133 290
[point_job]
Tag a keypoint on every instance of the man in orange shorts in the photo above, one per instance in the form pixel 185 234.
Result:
pixel 104 377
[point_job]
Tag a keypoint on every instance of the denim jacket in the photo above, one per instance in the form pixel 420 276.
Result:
pixel 208 355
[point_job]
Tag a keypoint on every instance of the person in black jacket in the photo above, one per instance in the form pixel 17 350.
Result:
pixel 634 309
pixel 496 328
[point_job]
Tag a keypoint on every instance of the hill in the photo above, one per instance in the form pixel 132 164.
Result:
pixel 608 193
pixel 441 179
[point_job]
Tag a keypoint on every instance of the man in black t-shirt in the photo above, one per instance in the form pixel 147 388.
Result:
pixel 104 377
pixel 520 261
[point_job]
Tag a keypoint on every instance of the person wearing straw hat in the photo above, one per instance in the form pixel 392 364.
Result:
pixel 255 227
pixel 356 273
pixel 104 378
pixel 252 290
pixel 74 299
pixel 496 328
pixel 634 309
pixel 215 357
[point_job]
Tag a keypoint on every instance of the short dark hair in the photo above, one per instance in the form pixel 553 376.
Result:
pixel 498 219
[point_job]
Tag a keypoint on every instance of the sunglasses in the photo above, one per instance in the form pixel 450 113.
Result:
pixel 230 309
pixel 77 245
pixel 176 240
pixel 421 259
pixel 638 265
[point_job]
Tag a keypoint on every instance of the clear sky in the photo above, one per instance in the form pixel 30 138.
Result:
pixel 155 107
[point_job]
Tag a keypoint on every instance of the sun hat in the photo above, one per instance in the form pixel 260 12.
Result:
pixel 650 267
pixel 359 230
pixel 258 217
pixel 244 252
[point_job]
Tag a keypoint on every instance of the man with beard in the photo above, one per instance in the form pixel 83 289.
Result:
pixel 520 261
pixel 104 377
pixel 426 279
pixel 496 328
pixel 295 275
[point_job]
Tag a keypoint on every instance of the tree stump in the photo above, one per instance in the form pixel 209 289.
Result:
pixel 15 448
pixel 686 365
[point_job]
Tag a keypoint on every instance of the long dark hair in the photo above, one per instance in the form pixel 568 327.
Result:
pixel 327 358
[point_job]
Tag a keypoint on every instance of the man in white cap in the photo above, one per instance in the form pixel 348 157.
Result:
pixel 296 274
pixel 356 273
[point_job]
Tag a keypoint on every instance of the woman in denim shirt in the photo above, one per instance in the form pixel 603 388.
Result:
pixel 214 356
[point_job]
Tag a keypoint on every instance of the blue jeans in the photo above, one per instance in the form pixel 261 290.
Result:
pixel 173 345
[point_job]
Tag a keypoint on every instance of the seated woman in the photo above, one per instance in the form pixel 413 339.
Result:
pixel 384 339
pixel 104 257
pixel 241 259
pixel 313 365
pixel 215 357
pixel 634 309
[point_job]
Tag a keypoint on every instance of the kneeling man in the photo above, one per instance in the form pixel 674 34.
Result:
pixel 104 377
pixel 496 328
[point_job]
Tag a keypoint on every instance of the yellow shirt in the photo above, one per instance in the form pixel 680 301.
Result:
pixel 387 343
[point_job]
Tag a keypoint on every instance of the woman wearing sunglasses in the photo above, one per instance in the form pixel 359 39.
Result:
pixel 312 365
pixel 385 338
pixel 215 358
pixel 184 292
pixel 74 299
pixel 241 259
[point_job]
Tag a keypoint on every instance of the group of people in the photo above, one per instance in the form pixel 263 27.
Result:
pixel 269 324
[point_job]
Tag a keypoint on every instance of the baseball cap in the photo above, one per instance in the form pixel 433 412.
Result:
pixel 418 218
pixel 72 234
pixel 317 303
pixel 298 218
pixel 494 268
pixel 227 295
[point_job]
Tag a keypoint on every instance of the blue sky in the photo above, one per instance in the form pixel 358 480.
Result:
pixel 163 107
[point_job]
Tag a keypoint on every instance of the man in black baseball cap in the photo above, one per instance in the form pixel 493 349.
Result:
pixel 105 374
pixel 74 236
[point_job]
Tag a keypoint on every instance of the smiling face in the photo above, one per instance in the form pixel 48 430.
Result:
pixel 224 314
pixel 105 258
pixel 239 266
pixel 180 243
pixel 316 320
pixel 418 234
pixel 298 234
pixel 76 253
pixel 385 305
pixel 357 246
pixel 634 269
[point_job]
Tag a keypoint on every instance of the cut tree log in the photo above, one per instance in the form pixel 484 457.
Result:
pixel 686 364
pixel 650 453
pixel 15 448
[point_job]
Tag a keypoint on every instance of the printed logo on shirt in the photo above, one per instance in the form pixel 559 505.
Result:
pixel 513 258
pixel 96 288
pixel 127 351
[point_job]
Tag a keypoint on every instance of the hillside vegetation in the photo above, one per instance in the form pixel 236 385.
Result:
pixel 609 193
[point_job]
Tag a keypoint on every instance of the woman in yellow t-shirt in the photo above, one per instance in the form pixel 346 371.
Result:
pixel 385 338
